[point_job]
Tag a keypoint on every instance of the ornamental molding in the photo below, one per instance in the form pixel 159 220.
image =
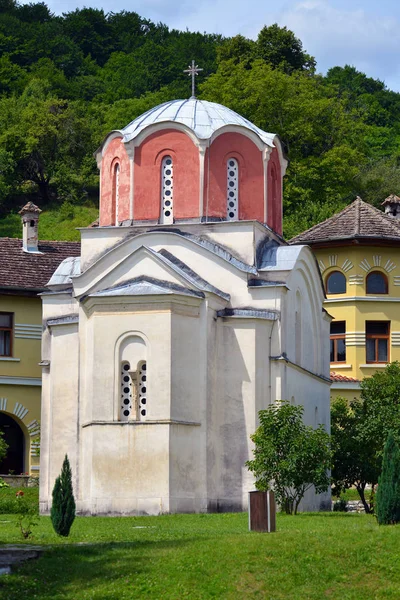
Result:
pixel 333 262
pixel 20 410
pixel 377 260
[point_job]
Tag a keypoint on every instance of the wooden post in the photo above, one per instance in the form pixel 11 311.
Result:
pixel 262 511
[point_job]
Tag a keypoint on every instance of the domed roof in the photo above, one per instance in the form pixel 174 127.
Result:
pixel 202 117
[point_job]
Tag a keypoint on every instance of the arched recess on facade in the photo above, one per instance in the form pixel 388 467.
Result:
pixel 115 173
pixel 17 438
pixel 131 377
pixel 235 168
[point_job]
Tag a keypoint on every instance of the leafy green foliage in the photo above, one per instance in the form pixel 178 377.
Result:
pixel 354 455
pixel 63 506
pixel 360 429
pixel 289 457
pixel 27 515
pixel 388 495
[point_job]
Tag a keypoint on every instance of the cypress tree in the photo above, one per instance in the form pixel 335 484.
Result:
pixel 63 508
pixel 388 495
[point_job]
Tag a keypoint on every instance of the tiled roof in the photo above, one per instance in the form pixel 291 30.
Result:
pixel 392 199
pixel 337 377
pixel 358 220
pixel 31 271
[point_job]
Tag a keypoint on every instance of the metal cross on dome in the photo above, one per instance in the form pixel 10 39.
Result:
pixel 192 71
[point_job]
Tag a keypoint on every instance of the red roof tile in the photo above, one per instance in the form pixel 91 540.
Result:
pixel 29 271
pixel 337 377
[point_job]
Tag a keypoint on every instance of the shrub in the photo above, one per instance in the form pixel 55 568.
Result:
pixel 3 484
pixel 27 514
pixel 63 507
pixel 289 457
pixel 388 494
pixel 340 505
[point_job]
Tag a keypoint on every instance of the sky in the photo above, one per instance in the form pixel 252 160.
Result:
pixel 362 33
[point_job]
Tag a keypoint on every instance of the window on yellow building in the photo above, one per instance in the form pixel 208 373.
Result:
pixel 336 283
pixel 377 283
pixel 338 344
pixel 377 333
pixel 6 329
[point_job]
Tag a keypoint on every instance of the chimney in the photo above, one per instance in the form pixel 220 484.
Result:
pixel 392 206
pixel 30 224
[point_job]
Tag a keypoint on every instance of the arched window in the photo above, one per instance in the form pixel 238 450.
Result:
pixel 377 283
pixel 232 199
pixel 115 192
pixel 127 390
pixel 336 283
pixel 142 390
pixel 167 190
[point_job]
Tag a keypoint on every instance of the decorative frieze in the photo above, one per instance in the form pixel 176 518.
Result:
pixel 20 411
pixel 355 338
pixel 364 264
pixel 347 265
pixel 34 428
pixel 389 266
pixel 28 332
pixel 356 279
pixel 377 260
pixel 3 403
pixel 321 265
pixel 35 447
pixel 395 338
pixel 396 280
pixel 333 260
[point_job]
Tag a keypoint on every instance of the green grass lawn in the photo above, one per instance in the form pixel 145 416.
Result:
pixel 311 556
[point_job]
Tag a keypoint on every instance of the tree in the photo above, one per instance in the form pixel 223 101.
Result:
pixel 289 457
pixel 63 508
pixel 353 456
pixel 388 495
pixel 279 47
pixel 381 404
pixel 360 429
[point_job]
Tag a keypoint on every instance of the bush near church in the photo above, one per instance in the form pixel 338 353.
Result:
pixel 359 431
pixel 388 495
pixel 63 508
pixel 289 457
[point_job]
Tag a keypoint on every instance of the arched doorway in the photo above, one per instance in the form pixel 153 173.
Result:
pixel 14 436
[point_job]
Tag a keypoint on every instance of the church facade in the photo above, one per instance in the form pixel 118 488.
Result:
pixel 185 315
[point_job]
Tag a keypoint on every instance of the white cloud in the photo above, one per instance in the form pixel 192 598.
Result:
pixel 339 37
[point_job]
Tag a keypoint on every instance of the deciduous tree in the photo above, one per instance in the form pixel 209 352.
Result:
pixel 289 457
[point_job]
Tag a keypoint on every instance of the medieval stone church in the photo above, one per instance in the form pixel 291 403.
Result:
pixel 185 315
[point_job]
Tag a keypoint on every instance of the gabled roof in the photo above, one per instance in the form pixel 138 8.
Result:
pixel 359 220
pixel 28 271
pixel 145 286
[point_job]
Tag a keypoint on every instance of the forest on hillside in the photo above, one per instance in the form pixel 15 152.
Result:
pixel 66 81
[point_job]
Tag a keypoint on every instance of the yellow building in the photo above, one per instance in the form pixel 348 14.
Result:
pixel 25 268
pixel 358 252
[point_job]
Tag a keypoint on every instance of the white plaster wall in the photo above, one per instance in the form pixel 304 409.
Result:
pixel 188 490
pixel 187 369
pixel 125 469
pixel 60 410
